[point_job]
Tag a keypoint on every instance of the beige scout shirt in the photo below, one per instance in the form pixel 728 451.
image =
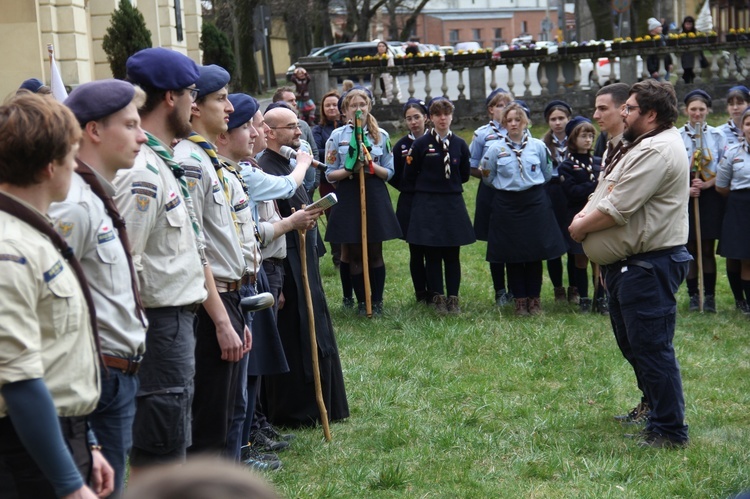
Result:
pixel 250 246
pixel 163 242
pixel 646 194
pixel 273 247
pixel 45 331
pixel 83 221
pixel 223 248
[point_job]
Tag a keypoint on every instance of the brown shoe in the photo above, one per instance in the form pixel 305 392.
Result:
pixel 560 294
pixel 522 306
pixel 440 304
pixel 452 305
pixel 535 306
pixel 573 296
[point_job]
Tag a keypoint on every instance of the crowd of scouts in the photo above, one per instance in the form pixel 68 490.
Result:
pixel 166 216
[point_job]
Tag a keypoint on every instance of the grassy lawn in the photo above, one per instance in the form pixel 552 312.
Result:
pixel 490 405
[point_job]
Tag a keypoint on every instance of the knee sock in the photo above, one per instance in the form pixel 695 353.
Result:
pixel 692 285
pixel 572 269
pixel 516 280
pixel 497 270
pixel 417 268
pixel 533 276
pixel 582 282
pixel 746 289
pixel 346 279
pixel 377 283
pixel 735 284
pixel 709 283
pixel 358 284
pixel 554 269
pixel 452 260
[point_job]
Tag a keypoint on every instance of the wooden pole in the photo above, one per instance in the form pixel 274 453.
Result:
pixel 365 255
pixel 313 336
pixel 699 250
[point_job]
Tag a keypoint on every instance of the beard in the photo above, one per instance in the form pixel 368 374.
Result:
pixel 630 134
pixel 181 128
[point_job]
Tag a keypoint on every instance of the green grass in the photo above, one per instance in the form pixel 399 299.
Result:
pixel 490 405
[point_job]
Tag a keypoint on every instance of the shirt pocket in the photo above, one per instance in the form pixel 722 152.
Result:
pixel 170 236
pixel 66 303
pixel 507 166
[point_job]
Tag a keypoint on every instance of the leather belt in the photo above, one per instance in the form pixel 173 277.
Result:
pixel 274 261
pixel 248 279
pixel 226 287
pixel 127 366
pixel 192 308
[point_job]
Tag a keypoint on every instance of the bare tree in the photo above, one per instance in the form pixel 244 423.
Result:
pixel 395 7
pixel 359 14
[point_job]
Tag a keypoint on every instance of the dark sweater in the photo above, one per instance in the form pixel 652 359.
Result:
pixel 425 167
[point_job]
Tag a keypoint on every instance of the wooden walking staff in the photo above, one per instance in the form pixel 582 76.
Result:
pixel 364 158
pixel 313 335
pixel 699 161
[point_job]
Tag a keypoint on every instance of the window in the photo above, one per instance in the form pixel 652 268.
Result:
pixel 178 19
pixel 454 37
pixel 477 33
pixel 524 27
pixel 498 39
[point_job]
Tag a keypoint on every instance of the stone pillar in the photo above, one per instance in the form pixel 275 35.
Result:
pixel 100 15
pixel 477 84
pixel 21 54
pixel 317 68
pixel 193 26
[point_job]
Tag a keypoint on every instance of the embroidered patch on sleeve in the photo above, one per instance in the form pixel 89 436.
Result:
pixel 64 228
pixel 4 257
pixel 53 272
pixel 142 202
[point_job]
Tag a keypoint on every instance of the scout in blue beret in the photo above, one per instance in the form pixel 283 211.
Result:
pixel 212 79
pixel 525 108
pixel 36 86
pixel 738 99
pixel 245 108
pixel 557 113
pixel 490 98
pixel 162 69
pixel 97 99
pixel 698 94
pixel 578 120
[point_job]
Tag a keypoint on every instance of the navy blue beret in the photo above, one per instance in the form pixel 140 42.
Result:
pixel 556 103
pixel 97 99
pixel 578 120
pixel 698 94
pixel 245 108
pixel 439 98
pixel 525 107
pixel 355 87
pixel 414 102
pixel 32 85
pixel 745 114
pixel 212 79
pixel 162 69
pixel 739 90
pixel 493 94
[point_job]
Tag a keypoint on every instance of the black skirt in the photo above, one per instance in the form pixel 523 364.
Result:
pixel 344 225
pixel 267 355
pixel 559 203
pixel 440 220
pixel 735 233
pixel 482 211
pixel 523 228
pixel 711 208
pixel 403 211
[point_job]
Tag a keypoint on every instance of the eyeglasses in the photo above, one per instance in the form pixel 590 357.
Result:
pixel 628 109
pixel 286 127
pixel 193 92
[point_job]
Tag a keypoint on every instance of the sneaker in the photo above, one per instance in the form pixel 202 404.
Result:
pixel 638 415
pixel 271 432
pixel 362 309
pixel 584 305
pixel 560 296
pixel 260 301
pixel 502 297
pixel 742 306
pixel 573 296
pixel 377 308
pixel 709 304
pixel 658 441
pixel 348 302
pixel 440 303
pixel 257 461
pixel 452 305
pixel 695 303
pixel 262 442
pixel 602 305
pixel 535 306
pixel 522 306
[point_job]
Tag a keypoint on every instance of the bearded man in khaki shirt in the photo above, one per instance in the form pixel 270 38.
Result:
pixel 635 226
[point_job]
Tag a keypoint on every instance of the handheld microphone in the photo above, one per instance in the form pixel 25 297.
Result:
pixel 290 153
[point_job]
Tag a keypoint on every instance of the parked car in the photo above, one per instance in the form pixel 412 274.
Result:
pixel 467 46
pixel 338 54
pixel 605 71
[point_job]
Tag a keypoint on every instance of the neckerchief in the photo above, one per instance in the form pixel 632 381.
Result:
pixel 359 147
pixel 561 148
pixel 495 129
pixel 518 150
pixel 446 150
pixel 623 149
pixel 702 156
pixel 734 129
pixel 588 166
pixel 179 174
pixel 219 167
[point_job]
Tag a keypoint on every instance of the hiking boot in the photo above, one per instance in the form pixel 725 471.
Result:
pixel 262 442
pixel 348 302
pixel 257 461
pixel 658 441
pixel 362 309
pixel 638 415
pixel 440 303
pixel 742 306
pixel 560 296
pixel 535 306
pixel 695 303
pixel 502 297
pixel 452 305
pixel 573 296
pixel 602 305
pixel 271 432
pixel 522 306
pixel 377 308
pixel 709 304
pixel 584 305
